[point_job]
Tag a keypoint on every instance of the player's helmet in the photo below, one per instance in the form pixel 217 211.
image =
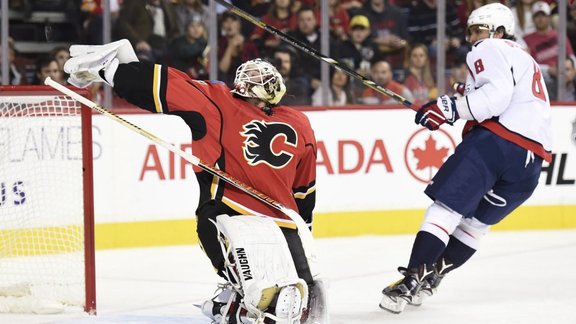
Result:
pixel 259 79
pixel 492 16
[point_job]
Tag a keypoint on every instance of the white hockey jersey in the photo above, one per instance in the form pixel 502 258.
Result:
pixel 505 93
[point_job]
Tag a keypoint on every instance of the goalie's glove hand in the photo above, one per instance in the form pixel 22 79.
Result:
pixel 97 63
pixel 435 113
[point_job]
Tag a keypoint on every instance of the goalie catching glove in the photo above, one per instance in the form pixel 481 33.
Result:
pixel 97 63
pixel 435 113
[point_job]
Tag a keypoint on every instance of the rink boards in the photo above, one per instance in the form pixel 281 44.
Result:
pixel 373 165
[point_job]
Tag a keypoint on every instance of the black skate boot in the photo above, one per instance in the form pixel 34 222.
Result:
pixel 430 286
pixel 401 293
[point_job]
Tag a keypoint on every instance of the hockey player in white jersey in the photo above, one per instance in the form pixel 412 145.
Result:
pixel 494 169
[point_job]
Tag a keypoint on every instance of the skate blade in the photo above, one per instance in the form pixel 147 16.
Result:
pixel 394 306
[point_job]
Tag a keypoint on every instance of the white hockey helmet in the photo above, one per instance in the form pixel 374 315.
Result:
pixel 259 79
pixel 492 16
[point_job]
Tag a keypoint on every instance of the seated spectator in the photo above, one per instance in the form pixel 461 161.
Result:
pixel 47 66
pixel 422 27
pixel 543 43
pixel 339 19
pixel 308 33
pixel 458 76
pixel 418 75
pixel 233 48
pixel 357 51
pixel 524 24
pixel 16 72
pixel 340 93
pixel 570 81
pixel 389 30
pixel 61 54
pixel 189 52
pixel 381 74
pixel 571 25
pixel 354 7
pixel 298 89
pixel 280 16
pixel 187 10
pixel 149 25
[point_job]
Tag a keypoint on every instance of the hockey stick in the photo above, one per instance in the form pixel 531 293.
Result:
pixel 303 231
pixel 316 54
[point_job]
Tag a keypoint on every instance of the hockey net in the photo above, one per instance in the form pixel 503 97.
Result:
pixel 46 203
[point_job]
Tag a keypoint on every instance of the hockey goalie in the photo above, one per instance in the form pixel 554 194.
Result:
pixel 258 250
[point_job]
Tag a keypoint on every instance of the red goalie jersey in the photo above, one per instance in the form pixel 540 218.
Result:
pixel 274 153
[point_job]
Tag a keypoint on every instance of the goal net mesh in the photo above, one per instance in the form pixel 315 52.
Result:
pixel 41 203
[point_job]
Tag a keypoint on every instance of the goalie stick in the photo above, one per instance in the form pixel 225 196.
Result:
pixel 316 54
pixel 303 231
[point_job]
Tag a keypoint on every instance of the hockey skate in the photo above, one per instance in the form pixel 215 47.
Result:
pixel 401 293
pixel 223 306
pixel 430 286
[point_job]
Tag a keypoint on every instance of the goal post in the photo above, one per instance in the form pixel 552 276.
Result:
pixel 47 259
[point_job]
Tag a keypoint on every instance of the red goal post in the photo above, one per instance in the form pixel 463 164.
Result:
pixel 47 259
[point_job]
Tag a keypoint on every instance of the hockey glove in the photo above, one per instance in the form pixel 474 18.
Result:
pixel 97 63
pixel 435 113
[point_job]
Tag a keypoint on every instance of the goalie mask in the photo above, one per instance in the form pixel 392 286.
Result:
pixel 491 17
pixel 259 79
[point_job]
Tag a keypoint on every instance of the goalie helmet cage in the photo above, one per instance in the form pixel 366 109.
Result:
pixel 46 200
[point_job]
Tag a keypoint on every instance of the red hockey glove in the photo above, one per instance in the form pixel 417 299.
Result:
pixel 435 113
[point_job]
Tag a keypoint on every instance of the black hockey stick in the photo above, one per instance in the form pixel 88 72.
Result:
pixel 316 54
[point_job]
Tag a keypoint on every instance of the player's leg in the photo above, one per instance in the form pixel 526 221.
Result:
pixel 457 188
pixel 260 270
pixel 515 185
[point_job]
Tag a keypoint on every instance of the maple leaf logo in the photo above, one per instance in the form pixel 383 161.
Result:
pixel 430 156
pixel 423 162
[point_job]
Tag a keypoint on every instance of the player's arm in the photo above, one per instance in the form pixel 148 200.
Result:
pixel 304 188
pixel 493 82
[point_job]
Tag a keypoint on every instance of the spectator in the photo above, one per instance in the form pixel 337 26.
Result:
pixel 16 72
pixel 571 25
pixel 340 94
pixel 422 27
pixel 381 73
pixel 458 76
pixel 149 25
pixel 61 54
pixel 357 51
pixel 419 77
pixel 233 48
pixel 189 52
pixel 93 21
pixel 570 85
pixel 339 19
pixel 298 89
pixel 543 43
pixel 389 30
pixel 187 10
pixel 280 17
pixel 308 34
pixel 353 7
pixel 523 20
pixel 47 66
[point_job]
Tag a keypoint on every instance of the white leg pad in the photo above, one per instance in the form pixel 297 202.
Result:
pixel 256 250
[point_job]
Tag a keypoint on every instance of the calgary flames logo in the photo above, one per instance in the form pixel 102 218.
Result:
pixel 268 143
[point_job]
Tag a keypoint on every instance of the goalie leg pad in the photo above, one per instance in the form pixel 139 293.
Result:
pixel 261 266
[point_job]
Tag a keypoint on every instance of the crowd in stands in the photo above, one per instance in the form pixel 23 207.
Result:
pixel 392 42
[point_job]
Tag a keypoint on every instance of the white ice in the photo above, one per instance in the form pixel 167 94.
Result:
pixel 523 277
